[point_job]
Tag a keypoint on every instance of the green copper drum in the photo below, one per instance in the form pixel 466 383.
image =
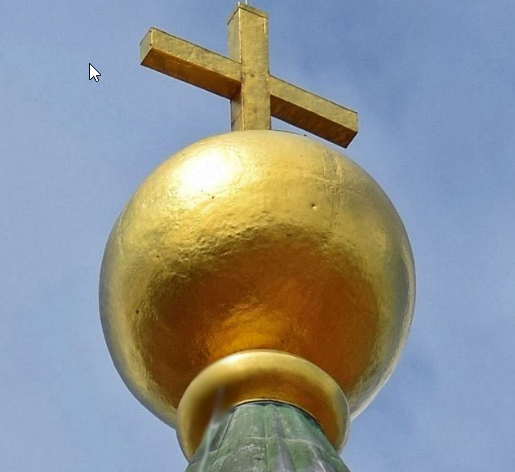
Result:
pixel 266 437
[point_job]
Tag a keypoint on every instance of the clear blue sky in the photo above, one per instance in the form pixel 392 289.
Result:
pixel 434 83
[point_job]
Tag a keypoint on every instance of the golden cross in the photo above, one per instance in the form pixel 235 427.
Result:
pixel 245 79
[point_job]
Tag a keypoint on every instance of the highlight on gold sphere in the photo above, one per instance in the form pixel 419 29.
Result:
pixel 256 240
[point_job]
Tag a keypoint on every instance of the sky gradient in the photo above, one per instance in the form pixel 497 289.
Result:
pixel 434 85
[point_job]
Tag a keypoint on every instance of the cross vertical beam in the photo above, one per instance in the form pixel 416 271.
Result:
pixel 245 79
pixel 248 45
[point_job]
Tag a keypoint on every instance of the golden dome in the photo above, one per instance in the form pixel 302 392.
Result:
pixel 256 240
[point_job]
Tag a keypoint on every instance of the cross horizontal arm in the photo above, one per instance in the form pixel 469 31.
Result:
pixel 193 64
pixel 312 113
pixel 190 63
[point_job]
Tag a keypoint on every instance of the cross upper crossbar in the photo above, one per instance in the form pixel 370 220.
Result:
pixel 244 78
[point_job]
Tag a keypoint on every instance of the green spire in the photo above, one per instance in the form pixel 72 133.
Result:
pixel 266 437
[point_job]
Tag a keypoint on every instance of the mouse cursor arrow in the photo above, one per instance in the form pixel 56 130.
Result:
pixel 93 73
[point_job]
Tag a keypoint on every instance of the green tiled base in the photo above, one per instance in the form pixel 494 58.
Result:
pixel 266 437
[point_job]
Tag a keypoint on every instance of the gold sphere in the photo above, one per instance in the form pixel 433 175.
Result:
pixel 256 240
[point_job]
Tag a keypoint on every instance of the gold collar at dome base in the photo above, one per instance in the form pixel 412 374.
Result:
pixel 262 375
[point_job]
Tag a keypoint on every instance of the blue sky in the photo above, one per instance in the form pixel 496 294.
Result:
pixel 434 83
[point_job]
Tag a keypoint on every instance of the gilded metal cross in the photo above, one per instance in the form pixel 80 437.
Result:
pixel 245 79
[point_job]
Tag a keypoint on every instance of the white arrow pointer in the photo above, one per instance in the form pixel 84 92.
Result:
pixel 93 73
